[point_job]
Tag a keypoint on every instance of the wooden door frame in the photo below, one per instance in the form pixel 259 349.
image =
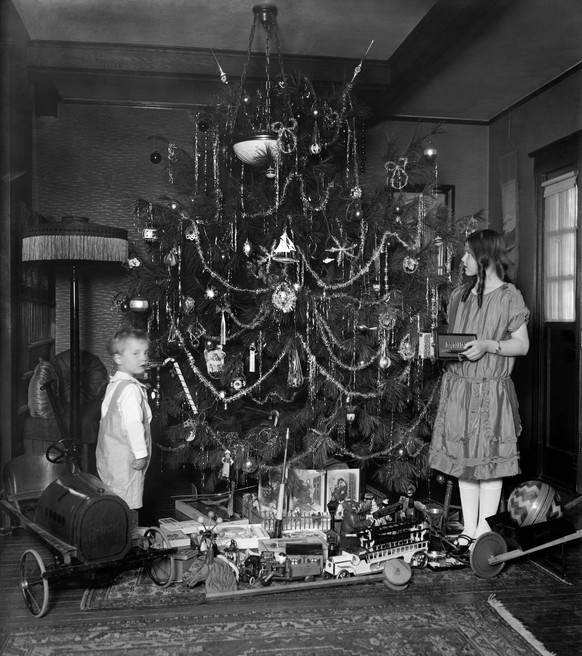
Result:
pixel 555 159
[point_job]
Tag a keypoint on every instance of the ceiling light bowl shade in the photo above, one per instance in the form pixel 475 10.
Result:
pixel 74 238
pixel 257 149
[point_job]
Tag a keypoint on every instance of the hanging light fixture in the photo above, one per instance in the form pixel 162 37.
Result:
pixel 259 143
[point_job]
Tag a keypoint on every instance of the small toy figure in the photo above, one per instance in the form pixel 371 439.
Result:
pixel 226 463
pixel 354 520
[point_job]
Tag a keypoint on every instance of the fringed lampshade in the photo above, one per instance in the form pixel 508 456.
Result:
pixel 74 239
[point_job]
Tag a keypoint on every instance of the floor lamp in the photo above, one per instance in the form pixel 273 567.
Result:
pixel 74 240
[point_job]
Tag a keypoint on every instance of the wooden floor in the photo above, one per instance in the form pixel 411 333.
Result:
pixel 554 615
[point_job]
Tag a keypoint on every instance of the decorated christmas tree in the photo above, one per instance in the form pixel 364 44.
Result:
pixel 285 296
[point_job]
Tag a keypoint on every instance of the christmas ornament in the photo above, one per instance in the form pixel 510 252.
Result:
pixel 138 304
pixel 210 292
pixel 247 248
pixel 271 172
pixel 171 258
pixel 384 362
pixel 284 297
pixel 188 304
pixel 397 175
pixel 315 147
pixel 134 262
pixel 295 375
pixel 203 125
pixel 215 361
pixel 534 502
pixel 409 264
pixel 387 318
pixel 430 155
pixel 249 464
pixel 226 463
pixel 285 251
pixel 252 358
pixel 238 383
pixel 150 234
pixel 405 349
pixel 182 380
pixel 155 157
pixel 191 232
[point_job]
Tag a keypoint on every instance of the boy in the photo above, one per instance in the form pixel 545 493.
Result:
pixel 124 443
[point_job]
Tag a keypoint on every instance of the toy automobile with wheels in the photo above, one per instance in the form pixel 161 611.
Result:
pixel 87 527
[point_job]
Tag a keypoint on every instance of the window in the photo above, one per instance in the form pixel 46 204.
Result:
pixel 560 224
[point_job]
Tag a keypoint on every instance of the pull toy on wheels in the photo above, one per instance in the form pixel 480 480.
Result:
pixel 534 522
pixel 85 525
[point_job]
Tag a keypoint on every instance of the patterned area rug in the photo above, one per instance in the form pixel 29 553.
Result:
pixel 395 627
pixel 134 589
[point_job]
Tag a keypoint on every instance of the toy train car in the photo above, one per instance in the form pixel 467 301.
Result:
pixel 291 567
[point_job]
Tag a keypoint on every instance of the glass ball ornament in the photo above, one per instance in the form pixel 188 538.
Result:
pixel 440 478
pixel 430 155
pixel 250 464
pixel 124 305
pixel 384 362
pixel 271 172
pixel 315 148
pixel 155 157
pixel 246 98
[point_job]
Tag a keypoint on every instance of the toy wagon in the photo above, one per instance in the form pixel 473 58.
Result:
pixel 84 524
pixel 533 522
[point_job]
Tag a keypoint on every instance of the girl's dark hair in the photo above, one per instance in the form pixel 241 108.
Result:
pixel 121 336
pixel 487 247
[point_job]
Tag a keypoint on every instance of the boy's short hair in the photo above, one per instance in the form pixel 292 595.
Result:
pixel 116 343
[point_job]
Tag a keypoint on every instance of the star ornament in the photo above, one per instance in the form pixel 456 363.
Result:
pixel 342 250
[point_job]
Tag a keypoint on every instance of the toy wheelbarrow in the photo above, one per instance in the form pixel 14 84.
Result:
pixel 507 541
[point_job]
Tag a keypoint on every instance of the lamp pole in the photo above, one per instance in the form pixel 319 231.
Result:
pixel 75 407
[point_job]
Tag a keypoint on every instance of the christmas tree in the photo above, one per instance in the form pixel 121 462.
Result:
pixel 286 295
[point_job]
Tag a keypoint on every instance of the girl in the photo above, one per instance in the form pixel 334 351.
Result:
pixel 477 424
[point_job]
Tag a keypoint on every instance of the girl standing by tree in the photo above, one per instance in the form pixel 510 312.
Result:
pixel 477 424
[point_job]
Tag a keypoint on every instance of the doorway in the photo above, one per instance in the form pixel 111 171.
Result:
pixel 559 382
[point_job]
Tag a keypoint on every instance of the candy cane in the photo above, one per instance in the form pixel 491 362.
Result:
pixel 183 383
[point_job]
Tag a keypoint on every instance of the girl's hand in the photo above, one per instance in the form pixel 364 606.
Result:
pixel 139 464
pixel 475 349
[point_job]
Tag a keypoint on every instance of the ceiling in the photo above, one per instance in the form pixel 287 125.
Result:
pixel 451 60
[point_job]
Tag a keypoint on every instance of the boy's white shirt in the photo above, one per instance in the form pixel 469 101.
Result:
pixel 129 404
